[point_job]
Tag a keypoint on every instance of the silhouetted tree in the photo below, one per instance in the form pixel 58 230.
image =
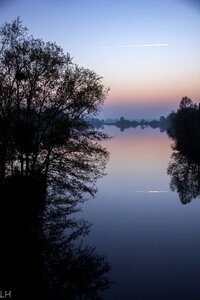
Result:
pixel 184 129
pixel 122 123
pixel 45 100
pixel 186 103
pixel 184 167
pixel 50 157
pixel 164 123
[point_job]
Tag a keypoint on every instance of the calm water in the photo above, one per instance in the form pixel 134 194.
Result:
pixel 151 240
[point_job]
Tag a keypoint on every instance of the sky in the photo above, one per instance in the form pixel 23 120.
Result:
pixel 147 51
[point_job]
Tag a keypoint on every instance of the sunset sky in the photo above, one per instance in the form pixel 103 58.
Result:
pixel 147 51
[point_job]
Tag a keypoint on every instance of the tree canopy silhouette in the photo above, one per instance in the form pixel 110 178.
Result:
pixel 184 129
pixel 45 100
pixel 50 157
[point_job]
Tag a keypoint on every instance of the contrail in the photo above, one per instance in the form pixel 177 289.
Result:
pixel 152 191
pixel 132 46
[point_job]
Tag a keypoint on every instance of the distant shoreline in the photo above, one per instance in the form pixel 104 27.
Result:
pixel 162 123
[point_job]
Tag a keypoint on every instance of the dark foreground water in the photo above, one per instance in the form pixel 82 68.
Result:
pixel 150 238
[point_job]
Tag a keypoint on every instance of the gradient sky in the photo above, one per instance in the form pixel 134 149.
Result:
pixel 109 37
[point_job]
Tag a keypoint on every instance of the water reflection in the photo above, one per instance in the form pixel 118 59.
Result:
pixel 80 270
pixel 185 177
pixel 49 259
pixel 151 240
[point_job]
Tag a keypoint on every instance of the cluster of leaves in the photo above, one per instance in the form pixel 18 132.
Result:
pixel 45 100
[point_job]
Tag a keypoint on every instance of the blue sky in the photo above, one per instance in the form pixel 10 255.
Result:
pixel 144 81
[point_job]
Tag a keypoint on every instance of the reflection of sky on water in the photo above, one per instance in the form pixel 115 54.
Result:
pixel 151 240
pixel 138 158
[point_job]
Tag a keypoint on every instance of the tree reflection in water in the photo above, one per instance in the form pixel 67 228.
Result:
pixel 184 167
pixel 75 270
pixel 185 177
pixel 49 260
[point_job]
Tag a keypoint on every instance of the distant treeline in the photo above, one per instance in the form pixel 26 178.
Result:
pixel 163 123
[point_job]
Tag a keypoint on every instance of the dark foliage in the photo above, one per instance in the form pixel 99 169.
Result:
pixel 184 129
pixel 184 167
pixel 185 177
pixel 44 102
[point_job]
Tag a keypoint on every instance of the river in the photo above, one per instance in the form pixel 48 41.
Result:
pixel 151 239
